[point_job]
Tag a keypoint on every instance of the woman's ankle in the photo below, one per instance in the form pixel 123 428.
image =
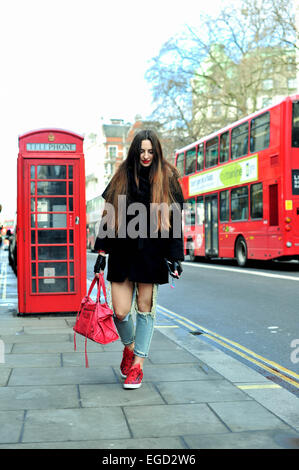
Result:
pixel 138 360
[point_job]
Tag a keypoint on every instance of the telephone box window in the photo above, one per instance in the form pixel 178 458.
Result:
pixel 71 269
pixel 46 237
pixel 52 269
pixel 33 269
pixel 52 252
pixel 51 172
pixel 52 285
pixel 50 188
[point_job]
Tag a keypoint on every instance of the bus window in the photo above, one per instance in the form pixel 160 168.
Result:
pixel 212 152
pixel 224 147
pixel 180 164
pixel 260 133
pixel 239 203
pixel 200 211
pixel 240 141
pixel 190 161
pixel 224 206
pixel 295 125
pixel 189 210
pixel 200 157
pixel 256 201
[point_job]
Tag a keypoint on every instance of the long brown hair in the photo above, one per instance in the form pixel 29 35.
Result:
pixel 163 176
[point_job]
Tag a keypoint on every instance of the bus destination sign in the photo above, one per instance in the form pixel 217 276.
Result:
pixel 50 147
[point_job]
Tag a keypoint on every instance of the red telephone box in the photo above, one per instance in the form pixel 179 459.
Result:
pixel 51 222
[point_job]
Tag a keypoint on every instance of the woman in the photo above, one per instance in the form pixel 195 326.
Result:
pixel 140 253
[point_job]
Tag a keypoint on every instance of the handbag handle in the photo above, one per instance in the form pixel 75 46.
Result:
pixel 101 284
pixel 92 286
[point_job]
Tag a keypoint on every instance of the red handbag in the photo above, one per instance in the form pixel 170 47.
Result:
pixel 95 320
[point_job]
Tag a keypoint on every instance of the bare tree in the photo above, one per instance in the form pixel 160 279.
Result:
pixel 209 76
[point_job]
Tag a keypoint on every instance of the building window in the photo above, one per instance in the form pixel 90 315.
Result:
pixel 266 101
pixel 292 83
pixel 112 151
pixel 268 84
pixel 108 168
pixel 216 109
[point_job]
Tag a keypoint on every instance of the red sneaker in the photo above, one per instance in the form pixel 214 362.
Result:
pixel 134 377
pixel 127 361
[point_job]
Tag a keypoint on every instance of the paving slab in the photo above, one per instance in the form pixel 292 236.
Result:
pixel 177 372
pixel 247 416
pixel 82 424
pixel 4 375
pixel 173 420
pixel 54 347
pixel 37 322
pixel 162 343
pixel 7 348
pixel 95 359
pixel 230 368
pixel 11 426
pixel 23 338
pixel 132 443
pixel 61 375
pixel 200 391
pixel 176 356
pixel 114 395
pixel 50 330
pixel 39 397
pixel 245 440
pixel 279 402
pixel 32 360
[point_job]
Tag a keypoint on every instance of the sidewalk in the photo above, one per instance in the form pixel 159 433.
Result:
pixel 190 397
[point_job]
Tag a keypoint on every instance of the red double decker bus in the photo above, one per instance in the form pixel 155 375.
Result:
pixel 241 186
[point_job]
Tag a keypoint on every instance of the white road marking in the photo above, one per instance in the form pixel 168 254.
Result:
pixel 243 271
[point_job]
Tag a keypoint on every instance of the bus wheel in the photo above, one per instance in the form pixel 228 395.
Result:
pixel 241 251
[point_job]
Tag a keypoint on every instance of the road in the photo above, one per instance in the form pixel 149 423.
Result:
pixel 254 307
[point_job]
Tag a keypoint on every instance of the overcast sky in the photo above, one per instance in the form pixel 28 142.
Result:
pixel 67 63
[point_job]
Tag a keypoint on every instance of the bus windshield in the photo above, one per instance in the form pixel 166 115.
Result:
pixel 295 125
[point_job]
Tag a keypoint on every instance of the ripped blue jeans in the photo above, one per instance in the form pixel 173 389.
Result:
pixel 145 322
